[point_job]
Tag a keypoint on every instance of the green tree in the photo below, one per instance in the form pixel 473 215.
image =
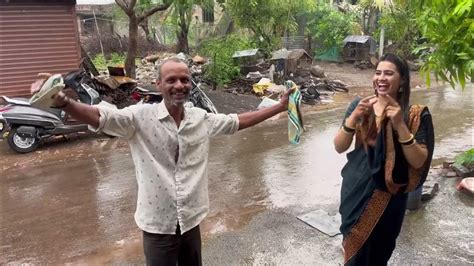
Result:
pixel 182 17
pixel 398 22
pixel 267 19
pixel 223 68
pixel 137 11
pixel 369 12
pixel 330 26
pixel 448 26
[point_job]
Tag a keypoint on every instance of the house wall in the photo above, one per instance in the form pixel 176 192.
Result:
pixel 36 37
pixel 87 21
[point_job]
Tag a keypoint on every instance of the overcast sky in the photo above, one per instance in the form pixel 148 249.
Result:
pixel 94 2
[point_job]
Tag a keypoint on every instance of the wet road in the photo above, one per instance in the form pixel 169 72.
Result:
pixel 73 201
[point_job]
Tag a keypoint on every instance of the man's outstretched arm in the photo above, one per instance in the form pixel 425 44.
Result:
pixel 82 112
pixel 85 113
pixel 249 119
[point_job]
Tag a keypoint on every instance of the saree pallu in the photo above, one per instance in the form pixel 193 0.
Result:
pixel 374 190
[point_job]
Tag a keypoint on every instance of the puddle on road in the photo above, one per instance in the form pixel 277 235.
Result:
pixel 257 169
pixel 64 202
pixel 453 119
pixel 125 250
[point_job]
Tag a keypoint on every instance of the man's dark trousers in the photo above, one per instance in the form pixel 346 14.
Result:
pixel 164 250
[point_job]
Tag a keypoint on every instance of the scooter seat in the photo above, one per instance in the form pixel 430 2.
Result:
pixel 43 98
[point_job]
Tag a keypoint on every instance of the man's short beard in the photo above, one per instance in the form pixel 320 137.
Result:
pixel 172 102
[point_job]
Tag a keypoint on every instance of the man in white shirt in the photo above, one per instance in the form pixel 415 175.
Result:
pixel 169 145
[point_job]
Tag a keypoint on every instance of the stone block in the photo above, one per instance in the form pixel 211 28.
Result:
pixel 451 174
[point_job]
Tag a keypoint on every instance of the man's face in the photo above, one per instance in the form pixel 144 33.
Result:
pixel 174 83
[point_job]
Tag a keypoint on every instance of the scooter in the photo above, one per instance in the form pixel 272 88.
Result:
pixel 25 127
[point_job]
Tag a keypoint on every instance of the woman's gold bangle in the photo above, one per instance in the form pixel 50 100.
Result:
pixel 406 141
pixel 411 144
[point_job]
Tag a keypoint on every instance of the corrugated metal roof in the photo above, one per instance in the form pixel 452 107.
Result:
pixel 34 39
pixel 280 54
pixel 289 54
pixel 245 53
pixel 298 53
pixel 357 38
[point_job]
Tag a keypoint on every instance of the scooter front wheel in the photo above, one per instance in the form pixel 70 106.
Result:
pixel 21 144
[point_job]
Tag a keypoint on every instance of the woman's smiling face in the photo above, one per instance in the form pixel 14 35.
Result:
pixel 386 79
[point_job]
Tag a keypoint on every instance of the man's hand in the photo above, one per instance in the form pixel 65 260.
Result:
pixel 249 119
pixel 60 100
pixel 285 99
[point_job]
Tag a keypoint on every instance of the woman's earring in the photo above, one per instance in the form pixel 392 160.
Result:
pixel 400 90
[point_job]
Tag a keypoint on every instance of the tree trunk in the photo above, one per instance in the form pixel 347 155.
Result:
pixel 132 47
pixel 373 19
pixel 364 21
pixel 150 37
pixel 183 45
pixel 182 34
pixel 382 41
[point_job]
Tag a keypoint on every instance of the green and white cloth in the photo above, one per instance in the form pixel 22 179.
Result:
pixel 295 120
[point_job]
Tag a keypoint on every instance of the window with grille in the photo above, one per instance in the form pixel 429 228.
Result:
pixel 208 14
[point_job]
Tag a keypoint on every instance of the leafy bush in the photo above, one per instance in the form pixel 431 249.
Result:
pixel 330 26
pixel 267 20
pixel 99 62
pixel 448 28
pixel 465 159
pixel 115 60
pixel 223 69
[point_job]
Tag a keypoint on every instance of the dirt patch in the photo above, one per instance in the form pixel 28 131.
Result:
pixel 227 102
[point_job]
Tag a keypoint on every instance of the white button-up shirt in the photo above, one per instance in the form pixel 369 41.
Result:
pixel 168 191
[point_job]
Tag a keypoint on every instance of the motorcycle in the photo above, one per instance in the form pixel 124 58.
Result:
pixel 199 99
pixel 25 127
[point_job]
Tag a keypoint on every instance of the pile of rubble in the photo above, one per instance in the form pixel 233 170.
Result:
pixel 147 70
pixel 295 65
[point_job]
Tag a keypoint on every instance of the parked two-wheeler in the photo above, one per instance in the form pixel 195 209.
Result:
pixel 200 99
pixel 25 126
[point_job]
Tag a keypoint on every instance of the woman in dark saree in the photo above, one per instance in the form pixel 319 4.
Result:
pixel 394 144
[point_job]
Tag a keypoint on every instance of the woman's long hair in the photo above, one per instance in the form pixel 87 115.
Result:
pixel 403 97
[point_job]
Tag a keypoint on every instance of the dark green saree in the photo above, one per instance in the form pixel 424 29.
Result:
pixel 375 186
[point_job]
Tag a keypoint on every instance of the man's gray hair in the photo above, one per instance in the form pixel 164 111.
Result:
pixel 172 59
